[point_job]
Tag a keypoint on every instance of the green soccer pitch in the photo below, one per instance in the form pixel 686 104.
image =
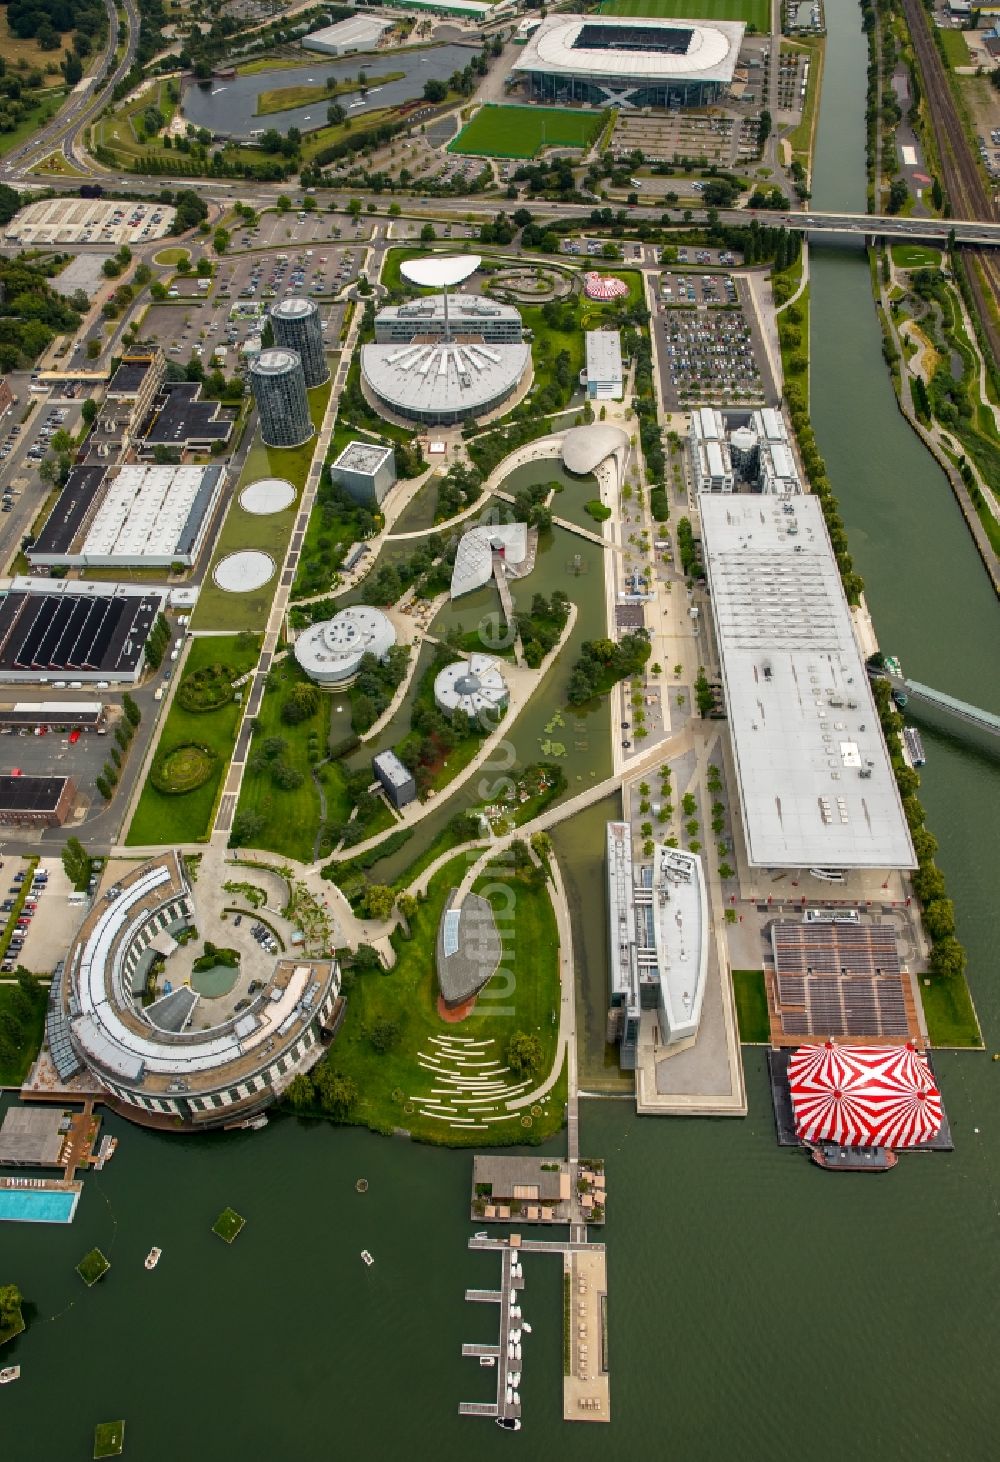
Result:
pixel 497 131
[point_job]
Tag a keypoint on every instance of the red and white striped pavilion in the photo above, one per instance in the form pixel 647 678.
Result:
pixel 603 287
pixel 864 1096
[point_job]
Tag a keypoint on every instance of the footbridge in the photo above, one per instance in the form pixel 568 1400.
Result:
pixel 961 710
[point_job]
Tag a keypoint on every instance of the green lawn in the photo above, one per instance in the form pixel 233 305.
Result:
pixel 186 819
pixel 801 138
pixel 915 256
pixel 17 1054
pixel 47 103
pixel 528 999
pixel 754 12
pixel 285 98
pixel 292 817
pixel 954 46
pixel 92 1267
pixel 502 131
pixel 228 1224
pixel 949 1012
pixel 751 1006
pixel 219 610
pixel 109 1438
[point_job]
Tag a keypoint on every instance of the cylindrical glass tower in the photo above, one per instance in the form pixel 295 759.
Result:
pixel 279 389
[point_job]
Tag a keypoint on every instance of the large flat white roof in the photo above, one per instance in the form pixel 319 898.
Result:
pixel 145 511
pixel 816 785
pixel 709 55
pixel 437 271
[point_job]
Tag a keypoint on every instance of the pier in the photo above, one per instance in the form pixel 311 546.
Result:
pixel 507 1365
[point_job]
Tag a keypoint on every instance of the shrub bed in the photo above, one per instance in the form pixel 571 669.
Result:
pixel 180 769
pixel 207 688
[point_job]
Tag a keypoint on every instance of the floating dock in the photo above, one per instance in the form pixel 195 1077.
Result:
pixel 501 1409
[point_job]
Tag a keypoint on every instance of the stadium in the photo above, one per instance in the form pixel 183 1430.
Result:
pixel 608 60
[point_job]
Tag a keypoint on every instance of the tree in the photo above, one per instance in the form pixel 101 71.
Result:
pixel 337 1093
pixel 220 240
pixel 300 1092
pixel 72 69
pixel 299 704
pixel 246 826
pixel 939 919
pixel 427 234
pixel 378 901
pixel 541 844
pixel 947 958
pixel 335 114
pixel 524 1053
pixel 435 91
pixel 283 203
pixel 132 712
pixel 383 1035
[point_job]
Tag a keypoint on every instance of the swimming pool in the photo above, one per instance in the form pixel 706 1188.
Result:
pixel 37 1205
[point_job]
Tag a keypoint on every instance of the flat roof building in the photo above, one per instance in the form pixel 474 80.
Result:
pixel 615 60
pixel 180 419
pixel 331 651
pixel 395 778
pixel 36 801
pixel 82 715
pixel 658 942
pixel 82 631
pixel 158 1060
pixel 734 450
pixel 474 686
pixel 357 33
pixel 603 373
pixel 33 1137
pixel 468 314
pixel 366 470
pixel 140 514
pixel 816 785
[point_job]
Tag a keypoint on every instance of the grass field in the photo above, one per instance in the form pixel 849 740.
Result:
pixel 117 131
pixel 284 98
pixel 497 131
pixel 13 1071
pixel 754 12
pixel 187 819
pixel 28 54
pixel 955 49
pixel 406 996
pixel 949 1012
pixel 751 1006
pixel 915 256
pixel 217 608
pixel 46 104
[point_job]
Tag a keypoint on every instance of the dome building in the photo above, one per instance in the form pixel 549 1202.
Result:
pixel 475 686
pixel 297 326
pixel 331 652
pixel 279 389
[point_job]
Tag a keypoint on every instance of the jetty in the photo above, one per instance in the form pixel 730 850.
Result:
pixel 511 1284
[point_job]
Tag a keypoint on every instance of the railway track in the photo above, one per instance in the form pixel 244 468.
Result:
pixel 962 179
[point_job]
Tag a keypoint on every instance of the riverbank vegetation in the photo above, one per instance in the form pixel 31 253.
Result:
pixel 604 662
pixel 22 1026
pixel 392 1015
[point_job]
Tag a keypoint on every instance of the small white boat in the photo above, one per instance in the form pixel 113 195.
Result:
pixel 517 1352
pixel 517 1398
pixel 509 1423
pixel 153 1257
pixel 8 1374
pixel 510 1352
pixel 510 1396
pixel 525 1327
pixel 514 1378
pixel 482 1234
pixel 307 117
pixel 367 1258
pixel 515 1337
pixel 487 1361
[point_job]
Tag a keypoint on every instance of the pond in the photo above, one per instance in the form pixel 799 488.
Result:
pixel 228 107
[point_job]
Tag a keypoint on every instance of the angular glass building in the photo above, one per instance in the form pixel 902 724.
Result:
pixel 297 326
pixel 279 389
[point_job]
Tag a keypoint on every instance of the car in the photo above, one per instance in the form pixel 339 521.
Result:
pixel 74 736
pixel 237 921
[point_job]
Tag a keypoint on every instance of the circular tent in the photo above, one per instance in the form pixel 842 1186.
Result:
pixel 603 286
pixel 868 1096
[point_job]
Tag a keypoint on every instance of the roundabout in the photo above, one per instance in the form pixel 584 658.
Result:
pixel 268 495
pixel 241 572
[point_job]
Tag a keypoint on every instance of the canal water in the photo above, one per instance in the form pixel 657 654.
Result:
pixel 228 107
pixel 759 1308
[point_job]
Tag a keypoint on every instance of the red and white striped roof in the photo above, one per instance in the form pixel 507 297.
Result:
pixel 603 287
pixel 870 1096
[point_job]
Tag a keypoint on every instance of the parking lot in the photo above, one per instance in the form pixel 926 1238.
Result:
pixel 708 351
pixel 54 755
pixel 293 230
pixel 51 920
pixel 89 221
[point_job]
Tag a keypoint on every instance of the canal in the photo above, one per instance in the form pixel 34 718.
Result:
pixel 759 1308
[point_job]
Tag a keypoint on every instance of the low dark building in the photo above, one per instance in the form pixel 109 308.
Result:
pixel 395 778
pixel 82 632
pixel 182 421
pixel 36 801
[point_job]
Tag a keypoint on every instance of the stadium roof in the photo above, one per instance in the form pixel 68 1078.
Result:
pixel 428 379
pixel 438 271
pixel 816 785
pixel 881 1096
pixel 584 45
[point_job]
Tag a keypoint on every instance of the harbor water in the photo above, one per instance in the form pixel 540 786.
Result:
pixel 759 1308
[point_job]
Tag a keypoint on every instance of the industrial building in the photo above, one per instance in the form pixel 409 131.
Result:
pixel 658 943
pixel 734 450
pixel 279 389
pixel 366 470
pixel 162 1060
pixel 602 375
pixel 142 516
pixel 331 651
pixel 816 787
pixel 181 420
pixel 80 631
pixel 127 403
pixel 630 62
pixel 395 778
pixel 36 801
pixel 357 33
pixel 53 715
pixel 444 358
pixel 297 326
pixel 474 686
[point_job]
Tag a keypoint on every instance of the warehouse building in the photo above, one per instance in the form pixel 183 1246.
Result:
pixel 816 787
pixel 630 62
pixel 742 451
pixel 145 516
pixel 36 801
pixel 602 375
pixel 78 631
pixel 53 715
pixel 366 470
pixel 357 33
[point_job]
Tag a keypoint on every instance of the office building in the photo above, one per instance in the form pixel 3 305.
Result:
pixel 36 801
pixel 366 470
pixel 737 450
pixel 395 778
pixel 603 373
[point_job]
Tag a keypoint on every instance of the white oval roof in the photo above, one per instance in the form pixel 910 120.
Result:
pixel 584 448
pixel 438 271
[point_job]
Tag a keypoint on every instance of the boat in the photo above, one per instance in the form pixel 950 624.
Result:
pixel 514 1379
pixel 487 1360
pixel 153 1257
pixel 837 1159
pixel 913 747
pixel 509 1423
pixel 8 1374
pixel 482 1234
pixel 525 1327
pixel 367 1258
pixel 252 1124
